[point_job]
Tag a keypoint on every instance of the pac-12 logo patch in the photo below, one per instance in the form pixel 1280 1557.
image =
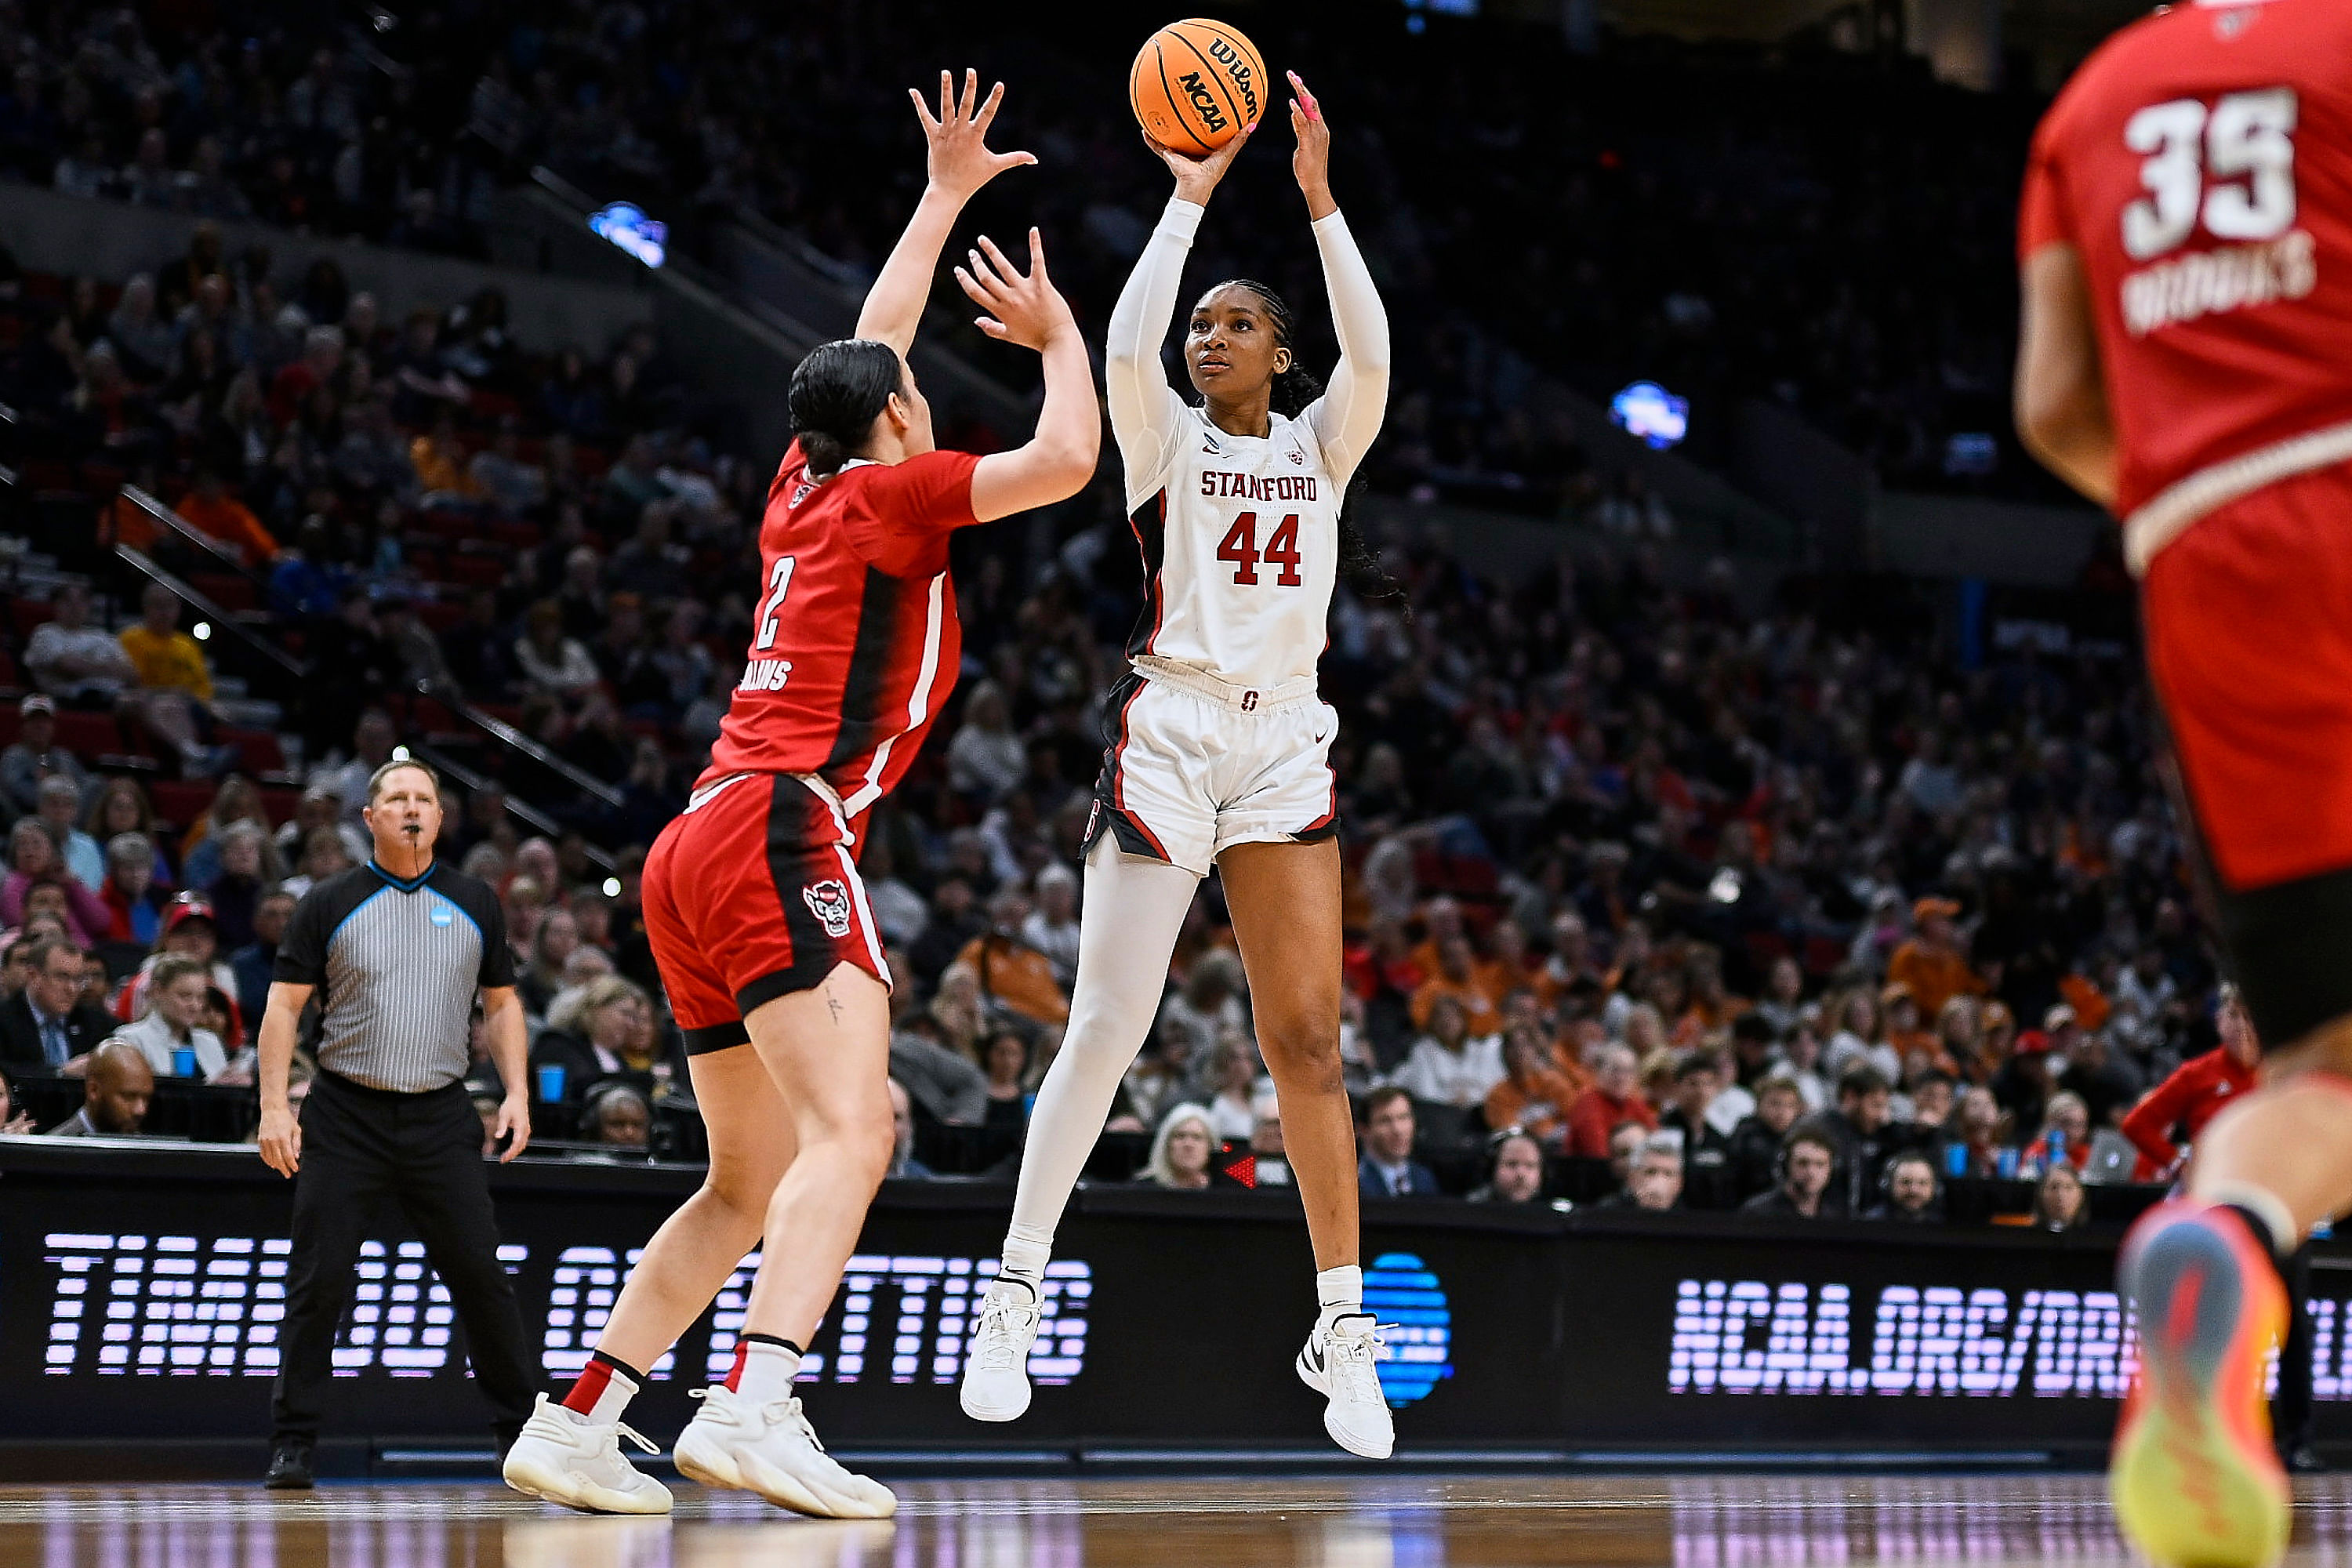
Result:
pixel 829 901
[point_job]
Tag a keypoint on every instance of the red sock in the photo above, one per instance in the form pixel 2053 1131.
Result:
pixel 735 1373
pixel 604 1388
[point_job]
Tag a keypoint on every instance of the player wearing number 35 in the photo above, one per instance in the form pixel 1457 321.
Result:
pixel 1220 748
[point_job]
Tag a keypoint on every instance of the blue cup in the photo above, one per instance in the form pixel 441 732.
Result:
pixel 183 1061
pixel 2008 1164
pixel 1955 1160
pixel 551 1082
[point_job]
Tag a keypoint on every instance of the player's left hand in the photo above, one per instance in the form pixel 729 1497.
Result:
pixel 960 162
pixel 513 1124
pixel 1312 162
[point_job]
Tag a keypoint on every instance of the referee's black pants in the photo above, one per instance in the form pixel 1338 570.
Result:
pixel 363 1145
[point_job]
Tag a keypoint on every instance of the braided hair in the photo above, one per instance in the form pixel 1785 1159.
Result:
pixel 1293 391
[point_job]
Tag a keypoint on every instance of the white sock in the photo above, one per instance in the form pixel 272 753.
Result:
pixel 1341 1291
pixel 1026 1256
pixel 768 1372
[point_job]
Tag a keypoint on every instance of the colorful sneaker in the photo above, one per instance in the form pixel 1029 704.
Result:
pixel 565 1458
pixel 996 1356
pixel 2194 1478
pixel 770 1449
pixel 1342 1365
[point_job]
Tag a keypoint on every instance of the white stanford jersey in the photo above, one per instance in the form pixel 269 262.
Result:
pixel 1240 537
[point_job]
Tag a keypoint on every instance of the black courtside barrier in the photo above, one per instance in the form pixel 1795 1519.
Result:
pixel 140 1294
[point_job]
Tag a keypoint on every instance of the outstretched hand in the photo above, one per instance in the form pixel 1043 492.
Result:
pixel 1023 308
pixel 959 160
pixel 1197 178
pixel 1311 162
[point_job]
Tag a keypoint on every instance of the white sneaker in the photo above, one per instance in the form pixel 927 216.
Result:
pixel 563 1456
pixel 1341 1363
pixel 770 1449
pixel 996 1351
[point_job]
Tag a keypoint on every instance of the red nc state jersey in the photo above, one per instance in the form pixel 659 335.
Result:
pixel 855 642
pixel 2201 162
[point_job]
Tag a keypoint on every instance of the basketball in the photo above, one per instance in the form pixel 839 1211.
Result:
pixel 1195 84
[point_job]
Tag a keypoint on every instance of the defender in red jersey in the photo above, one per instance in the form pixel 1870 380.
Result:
pixel 2186 359
pixel 753 901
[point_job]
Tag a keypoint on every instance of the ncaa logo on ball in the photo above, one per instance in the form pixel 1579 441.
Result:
pixel 829 901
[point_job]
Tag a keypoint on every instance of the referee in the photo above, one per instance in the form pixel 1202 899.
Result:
pixel 395 950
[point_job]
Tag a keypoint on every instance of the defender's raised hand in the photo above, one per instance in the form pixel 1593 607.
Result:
pixel 960 160
pixel 1023 308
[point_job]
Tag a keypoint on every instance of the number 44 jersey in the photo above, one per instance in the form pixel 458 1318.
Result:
pixel 1240 537
pixel 2201 165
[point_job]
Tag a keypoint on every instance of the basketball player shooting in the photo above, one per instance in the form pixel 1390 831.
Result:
pixel 1221 750
pixel 2187 277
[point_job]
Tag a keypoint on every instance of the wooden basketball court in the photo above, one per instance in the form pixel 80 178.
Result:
pixel 1388 1521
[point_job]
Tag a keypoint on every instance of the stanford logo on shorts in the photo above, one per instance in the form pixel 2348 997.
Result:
pixel 828 901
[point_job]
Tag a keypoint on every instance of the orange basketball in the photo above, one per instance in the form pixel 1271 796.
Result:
pixel 1196 84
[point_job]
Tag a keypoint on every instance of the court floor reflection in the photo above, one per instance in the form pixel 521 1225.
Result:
pixel 1391 1521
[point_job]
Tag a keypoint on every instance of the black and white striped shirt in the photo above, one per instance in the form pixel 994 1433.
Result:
pixel 396 965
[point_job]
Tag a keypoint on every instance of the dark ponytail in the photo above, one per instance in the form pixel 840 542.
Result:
pixel 838 392
pixel 1293 391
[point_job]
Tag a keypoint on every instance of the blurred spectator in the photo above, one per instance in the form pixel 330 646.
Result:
pixel 1514 1171
pixel 1448 1066
pixel 617 1116
pixel 1654 1179
pixel 1009 970
pixel 175 683
pixel 134 903
pixel 2059 1203
pixel 904 1166
pixel 1863 1133
pixel 1931 963
pixel 1006 1060
pixel 1455 978
pixel 1534 1094
pixel 2023 1087
pixel 952 1090
pixel 33 862
pixel 1706 1151
pixel 2194 1093
pixel 47 1024
pixel 191 930
pixel 211 511
pixel 1808 1162
pixel 35 757
pixel 1232 1085
pixel 59 804
pixel 1615 1097
pixel 254 964
pixel 591 1034
pixel 15 1121
pixel 176 994
pixel 1052 927
pixel 1914 1193
pixel 1974 1127
pixel 1181 1150
pixel 79 665
pixel 118 1086
pixel 1387 1169
pixel 2102 1079
pixel 986 758
pixel 1756 1143
pixel 1208 1001
pixel 2065 1136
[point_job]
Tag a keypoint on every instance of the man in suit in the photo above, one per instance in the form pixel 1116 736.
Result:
pixel 1387 1169
pixel 48 1024
pixel 114 1100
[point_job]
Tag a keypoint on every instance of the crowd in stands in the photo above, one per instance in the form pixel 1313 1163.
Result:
pixel 1694 215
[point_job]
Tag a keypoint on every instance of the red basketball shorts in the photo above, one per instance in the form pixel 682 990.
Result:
pixel 2249 627
pixel 750 895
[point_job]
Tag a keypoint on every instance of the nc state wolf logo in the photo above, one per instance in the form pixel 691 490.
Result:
pixel 828 901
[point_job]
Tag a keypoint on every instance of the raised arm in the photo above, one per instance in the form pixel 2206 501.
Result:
pixel 1347 418
pixel 960 163
pixel 1025 308
pixel 1146 414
